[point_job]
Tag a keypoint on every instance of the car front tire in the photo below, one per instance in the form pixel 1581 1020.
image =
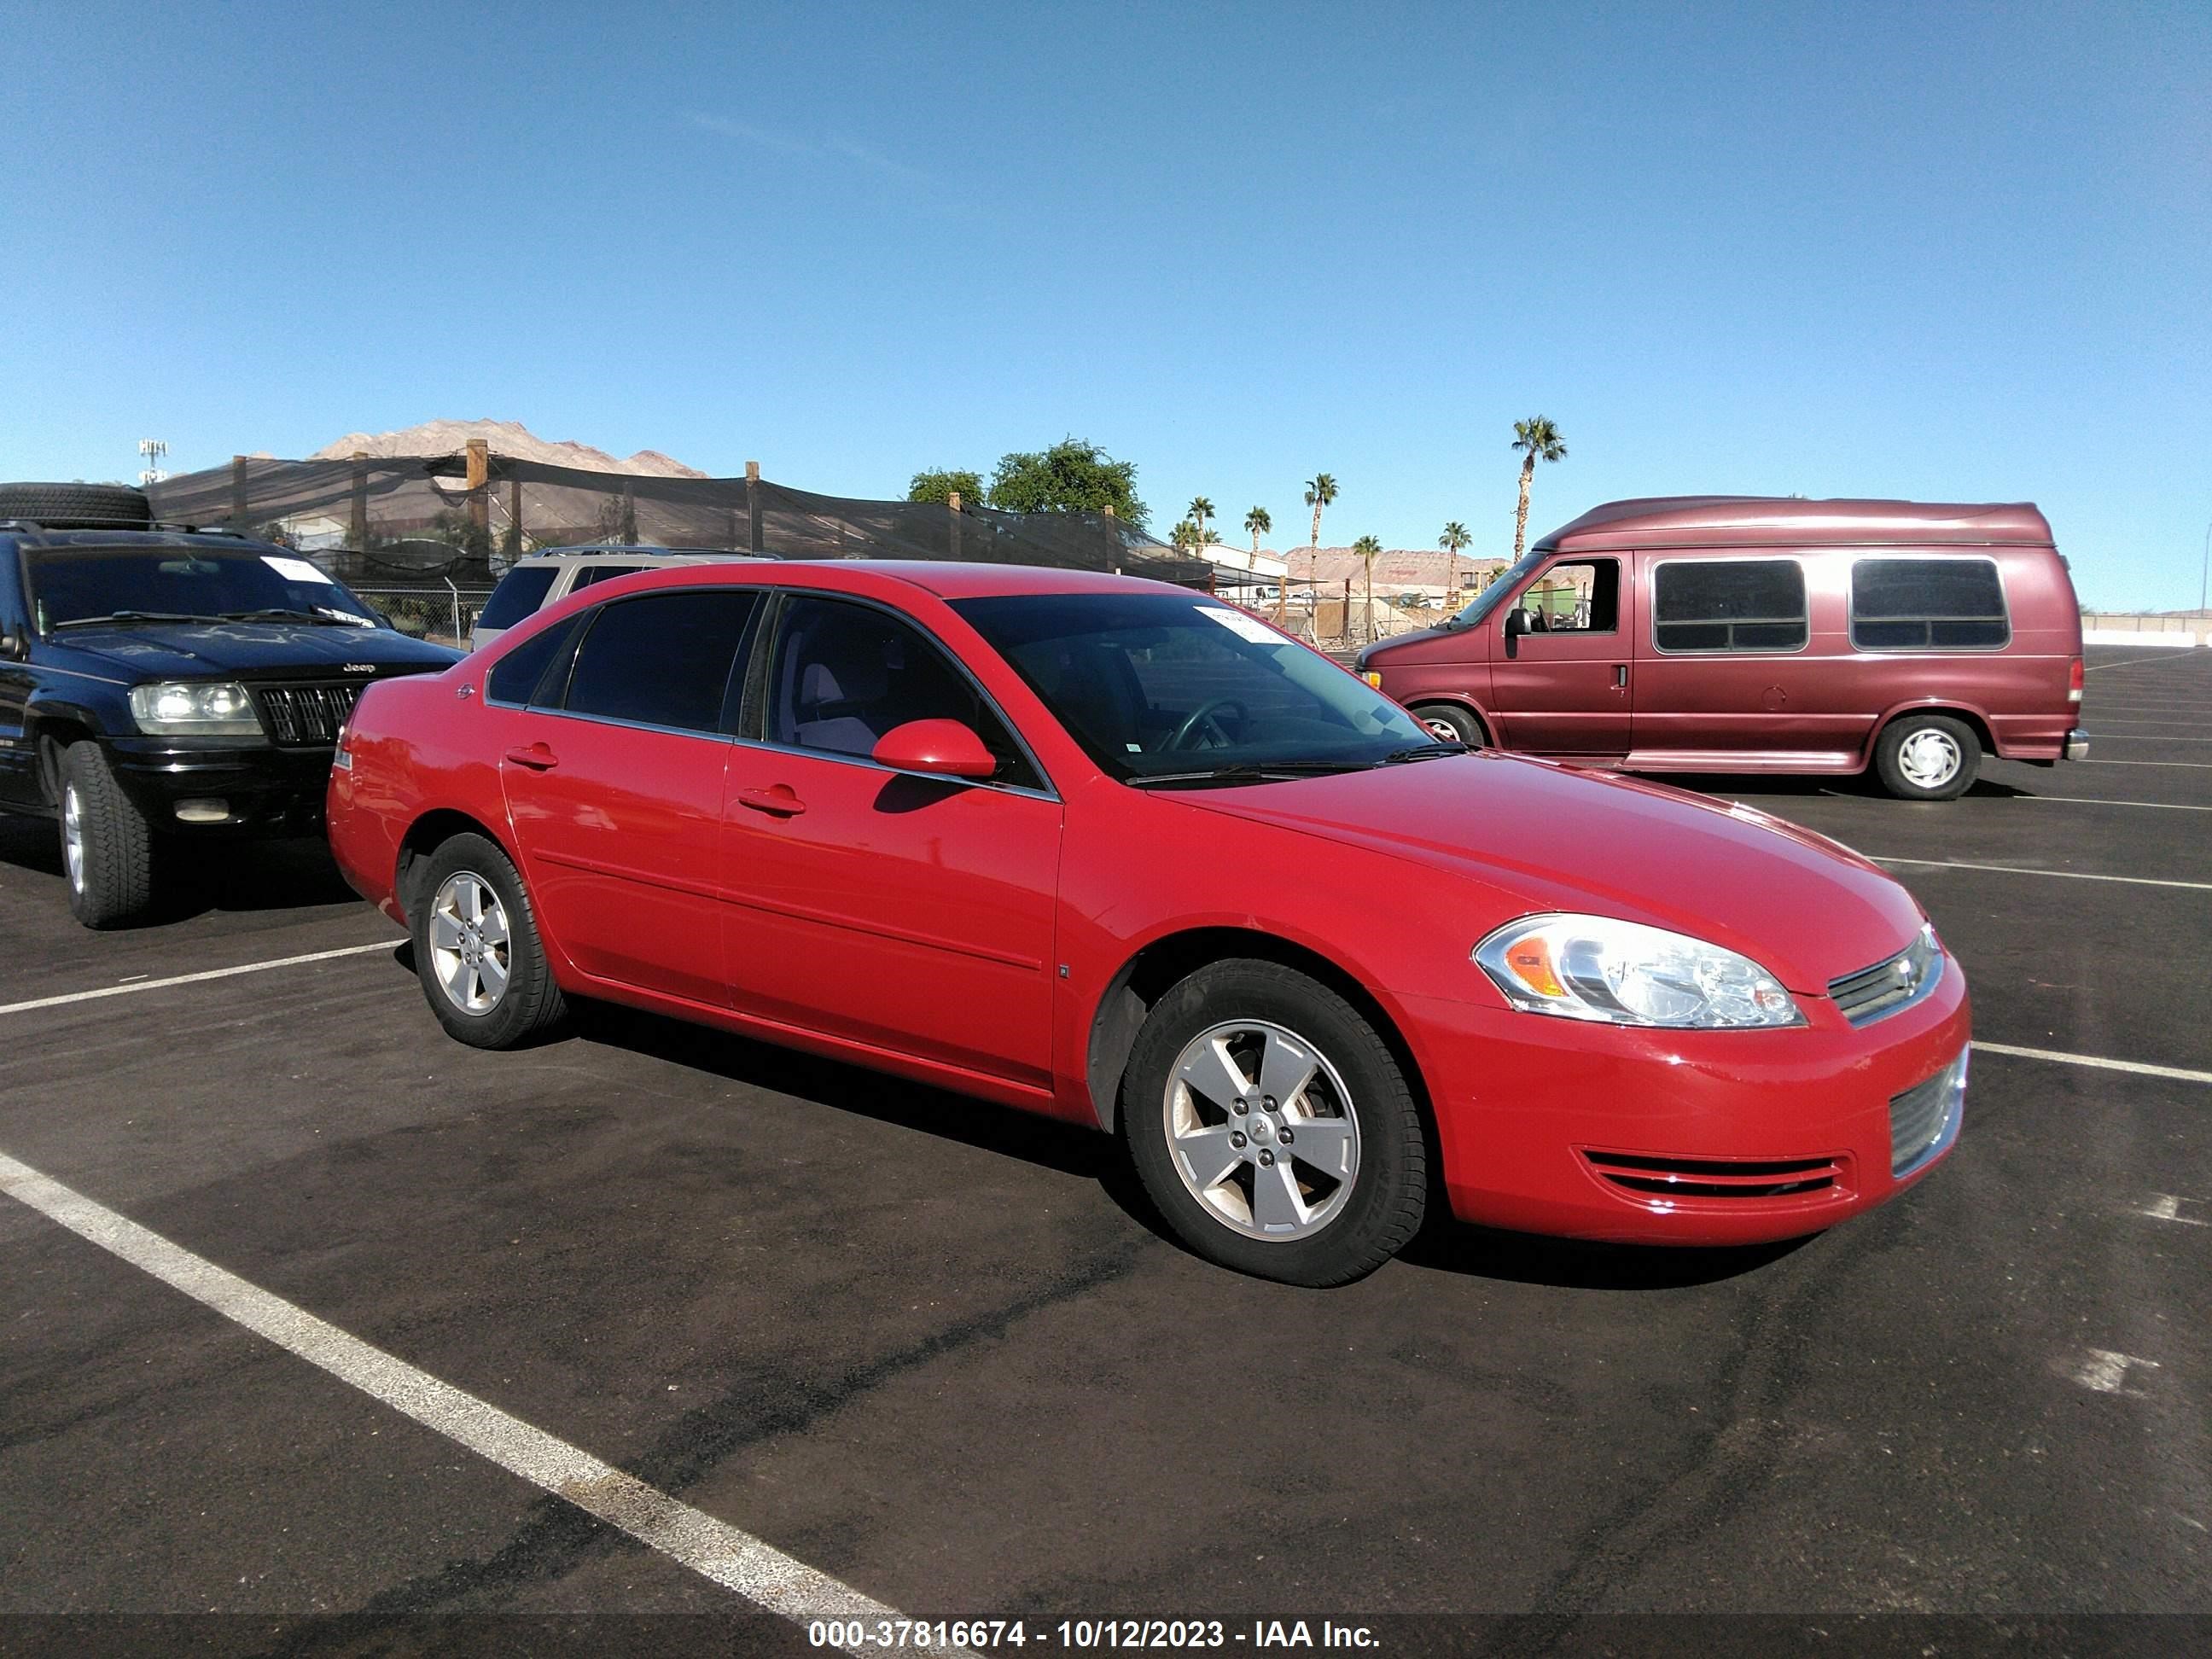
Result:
pixel 107 846
pixel 1273 1127
pixel 1927 757
pixel 476 948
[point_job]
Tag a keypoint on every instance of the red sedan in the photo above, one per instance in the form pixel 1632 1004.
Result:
pixel 1119 854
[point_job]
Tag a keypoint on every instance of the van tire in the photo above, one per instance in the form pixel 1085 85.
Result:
pixel 1927 757
pixel 1464 726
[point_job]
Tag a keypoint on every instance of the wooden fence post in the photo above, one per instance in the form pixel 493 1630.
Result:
pixel 238 492
pixel 952 513
pixel 357 531
pixel 752 504
pixel 479 454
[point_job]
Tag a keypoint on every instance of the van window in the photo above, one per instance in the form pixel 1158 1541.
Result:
pixel 1928 604
pixel 1730 605
pixel 1583 598
pixel 520 592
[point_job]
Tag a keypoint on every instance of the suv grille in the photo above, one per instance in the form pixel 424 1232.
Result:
pixel 1873 993
pixel 1709 1177
pixel 300 715
pixel 1924 1120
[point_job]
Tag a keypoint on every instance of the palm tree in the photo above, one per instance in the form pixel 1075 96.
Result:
pixel 1367 547
pixel 1187 537
pixel 1201 510
pixel 1537 439
pixel 1454 539
pixel 1321 490
pixel 1258 523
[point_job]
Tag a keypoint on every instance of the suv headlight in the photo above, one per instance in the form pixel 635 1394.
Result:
pixel 194 709
pixel 1625 974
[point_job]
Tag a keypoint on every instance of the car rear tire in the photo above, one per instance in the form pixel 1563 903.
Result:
pixel 1273 1127
pixel 478 951
pixel 77 506
pixel 1448 722
pixel 107 846
pixel 1927 757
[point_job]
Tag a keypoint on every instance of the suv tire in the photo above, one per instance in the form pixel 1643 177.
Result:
pixel 77 506
pixel 476 948
pixel 1927 757
pixel 107 846
pixel 1262 1017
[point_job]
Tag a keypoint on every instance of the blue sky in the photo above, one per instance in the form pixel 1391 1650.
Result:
pixel 1947 251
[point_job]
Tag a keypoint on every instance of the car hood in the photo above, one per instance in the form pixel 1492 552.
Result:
pixel 1549 837
pixel 281 650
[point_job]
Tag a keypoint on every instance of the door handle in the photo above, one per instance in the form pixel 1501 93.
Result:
pixel 1620 676
pixel 779 801
pixel 538 757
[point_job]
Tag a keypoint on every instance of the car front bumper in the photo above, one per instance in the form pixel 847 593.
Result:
pixel 1699 1138
pixel 260 789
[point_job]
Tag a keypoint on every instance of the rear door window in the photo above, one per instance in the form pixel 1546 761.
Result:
pixel 1928 604
pixel 1730 605
pixel 520 592
pixel 662 659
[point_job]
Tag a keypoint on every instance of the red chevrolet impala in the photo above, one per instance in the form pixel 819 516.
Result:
pixel 1118 853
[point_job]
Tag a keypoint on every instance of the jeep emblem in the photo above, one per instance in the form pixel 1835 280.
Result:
pixel 359 667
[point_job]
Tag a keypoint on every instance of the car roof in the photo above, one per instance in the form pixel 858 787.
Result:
pixel 1745 520
pixel 943 579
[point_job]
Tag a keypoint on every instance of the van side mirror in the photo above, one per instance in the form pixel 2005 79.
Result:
pixel 1517 625
pixel 945 748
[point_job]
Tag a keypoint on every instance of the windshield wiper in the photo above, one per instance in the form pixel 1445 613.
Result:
pixel 278 613
pixel 1421 751
pixel 1249 772
pixel 114 616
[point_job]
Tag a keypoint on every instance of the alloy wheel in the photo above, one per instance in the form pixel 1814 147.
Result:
pixel 1262 1130
pixel 471 950
pixel 73 838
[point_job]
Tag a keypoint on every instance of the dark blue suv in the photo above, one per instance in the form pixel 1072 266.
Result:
pixel 159 684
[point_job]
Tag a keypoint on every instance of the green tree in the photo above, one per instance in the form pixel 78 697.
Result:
pixel 1368 547
pixel 1454 539
pixel 1537 439
pixel 1072 476
pixel 1258 523
pixel 1201 515
pixel 940 483
pixel 1321 490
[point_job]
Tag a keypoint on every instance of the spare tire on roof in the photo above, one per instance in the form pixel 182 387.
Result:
pixel 77 506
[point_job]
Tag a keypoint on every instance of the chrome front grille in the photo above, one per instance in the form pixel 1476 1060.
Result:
pixel 1874 992
pixel 306 715
pixel 1923 1120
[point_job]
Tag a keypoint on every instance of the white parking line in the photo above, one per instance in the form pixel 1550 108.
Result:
pixel 2194 726
pixel 2193 766
pixel 2142 736
pixel 2095 800
pixel 714 1549
pixel 2029 870
pixel 2102 1065
pixel 2164 1206
pixel 2169 654
pixel 385 945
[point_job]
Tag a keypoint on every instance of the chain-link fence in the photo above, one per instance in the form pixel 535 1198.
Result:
pixel 443 615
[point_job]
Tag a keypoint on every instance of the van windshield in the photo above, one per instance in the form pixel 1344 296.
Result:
pixel 1486 601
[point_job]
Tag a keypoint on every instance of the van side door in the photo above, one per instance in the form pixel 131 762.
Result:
pixel 1560 680
pixel 1726 670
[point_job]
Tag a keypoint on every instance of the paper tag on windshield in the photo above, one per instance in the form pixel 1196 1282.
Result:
pixel 1243 627
pixel 296 570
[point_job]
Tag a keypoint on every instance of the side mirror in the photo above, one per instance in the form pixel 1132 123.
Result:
pixel 946 748
pixel 1517 625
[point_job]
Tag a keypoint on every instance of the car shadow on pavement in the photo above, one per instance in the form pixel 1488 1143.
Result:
pixel 1443 1245
pixel 191 880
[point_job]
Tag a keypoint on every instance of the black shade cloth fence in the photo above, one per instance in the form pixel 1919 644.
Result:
pixel 390 519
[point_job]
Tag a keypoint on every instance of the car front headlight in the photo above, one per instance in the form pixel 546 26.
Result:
pixel 1623 973
pixel 194 709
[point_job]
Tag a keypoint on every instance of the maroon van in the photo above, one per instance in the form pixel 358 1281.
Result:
pixel 1762 634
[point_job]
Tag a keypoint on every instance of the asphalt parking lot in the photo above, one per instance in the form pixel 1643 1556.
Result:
pixel 936 1351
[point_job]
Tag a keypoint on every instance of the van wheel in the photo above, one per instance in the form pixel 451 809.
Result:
pixel 476 949
pixel 1450 723
pixel 107 846
pixel 1927 757
pixel 1272 1128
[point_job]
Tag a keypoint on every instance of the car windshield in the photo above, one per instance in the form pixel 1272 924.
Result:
pixel 1486 601
pixel 1165 687
pixel 150 582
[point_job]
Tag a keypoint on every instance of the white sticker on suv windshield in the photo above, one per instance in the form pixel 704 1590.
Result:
pixel 1243 627
pixel 295 570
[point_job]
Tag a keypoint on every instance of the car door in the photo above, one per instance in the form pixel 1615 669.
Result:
pixel 613 775
pixel 908 913
pixel 1564 686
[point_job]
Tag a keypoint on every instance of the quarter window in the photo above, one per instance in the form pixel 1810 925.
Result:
pixel 514 677
pixel 1928 604
pixel 1730 605
pixel 844 675
pixel 661 659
